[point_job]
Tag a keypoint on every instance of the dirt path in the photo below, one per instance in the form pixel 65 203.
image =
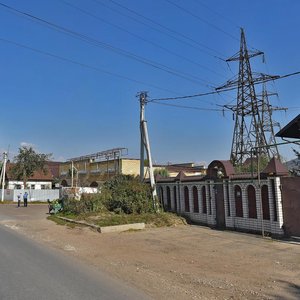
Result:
pixel 184 262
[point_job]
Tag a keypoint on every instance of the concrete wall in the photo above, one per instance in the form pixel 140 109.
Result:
pixel 33 195
pixel 130 166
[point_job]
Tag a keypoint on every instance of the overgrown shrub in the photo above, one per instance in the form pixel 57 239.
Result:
pixel 121 194
pixel 127 195
pixel 88 203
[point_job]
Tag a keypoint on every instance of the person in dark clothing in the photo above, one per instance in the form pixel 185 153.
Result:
pixel 19 200
pixel 25 198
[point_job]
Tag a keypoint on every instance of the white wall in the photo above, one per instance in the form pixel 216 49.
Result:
pixel 33 195
pixel 37 184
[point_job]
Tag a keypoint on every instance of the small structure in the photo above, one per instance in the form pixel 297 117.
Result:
pixel 38 181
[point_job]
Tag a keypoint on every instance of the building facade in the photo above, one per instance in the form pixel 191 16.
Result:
pixel 38 181
pixel 91 173
pixel 225 200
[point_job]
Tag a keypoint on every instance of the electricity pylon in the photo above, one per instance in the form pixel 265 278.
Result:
pixel 268 123
pixel 249 130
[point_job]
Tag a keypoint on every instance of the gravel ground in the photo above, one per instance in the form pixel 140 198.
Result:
pixel 183 262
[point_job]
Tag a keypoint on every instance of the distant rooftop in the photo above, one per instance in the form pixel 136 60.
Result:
pixel 102 155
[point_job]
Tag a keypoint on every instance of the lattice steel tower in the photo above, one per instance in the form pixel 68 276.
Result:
pixel 267 121
pixel 250 122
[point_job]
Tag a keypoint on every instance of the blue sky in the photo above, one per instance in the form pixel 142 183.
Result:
pixel 69 97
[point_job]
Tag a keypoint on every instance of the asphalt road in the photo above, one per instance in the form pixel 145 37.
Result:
pixel 31 271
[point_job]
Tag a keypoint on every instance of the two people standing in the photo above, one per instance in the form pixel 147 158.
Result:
pixel 25 199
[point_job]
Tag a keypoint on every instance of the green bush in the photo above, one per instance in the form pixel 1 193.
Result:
pixel 127 195
pixel 121 194
pixel 87 204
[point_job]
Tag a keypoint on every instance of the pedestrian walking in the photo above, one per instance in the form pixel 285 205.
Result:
pixel 19 200
pixel 25 198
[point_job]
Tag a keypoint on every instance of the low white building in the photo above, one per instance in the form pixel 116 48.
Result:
pixel 38 181
pixel 33 185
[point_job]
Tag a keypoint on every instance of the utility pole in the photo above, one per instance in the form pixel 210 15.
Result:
pixel 145 144
pixel 3 171
pixel 247 135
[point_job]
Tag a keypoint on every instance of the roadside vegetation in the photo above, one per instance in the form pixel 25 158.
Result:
pixel 123 200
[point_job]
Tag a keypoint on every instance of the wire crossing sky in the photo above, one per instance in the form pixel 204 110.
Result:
pixel 70 72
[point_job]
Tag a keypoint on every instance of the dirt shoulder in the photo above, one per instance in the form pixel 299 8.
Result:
pixel 183 262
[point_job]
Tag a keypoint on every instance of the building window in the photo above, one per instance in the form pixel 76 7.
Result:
pixel 175 198
pixel 168 199
pixel 196 200
pixel 251 202
pixel 186 199
pixel 32 186
pixel 43 186
pixel 204 206
pixel 265 202
pixel 238 201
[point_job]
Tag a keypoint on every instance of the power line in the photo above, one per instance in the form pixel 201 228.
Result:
pixel 83 65
pixel 169 30
pixel 189 107
pixel 106 46
pixel 142 38
pixel 217 13
pixel 217 91
pixel 191 96
pixel 201 19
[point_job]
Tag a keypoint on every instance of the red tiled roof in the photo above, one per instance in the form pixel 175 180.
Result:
pixel 275 167
pixel 37 176
pixel 225 165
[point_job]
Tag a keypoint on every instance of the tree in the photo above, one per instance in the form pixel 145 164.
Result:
pixel 27 162
pixel 296 168
pixel 163 172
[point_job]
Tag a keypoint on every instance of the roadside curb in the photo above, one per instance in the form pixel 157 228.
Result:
pixel 107 229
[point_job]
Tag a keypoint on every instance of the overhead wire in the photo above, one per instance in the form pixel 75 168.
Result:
pixel 97 43
pixel 217 13
pixel 225 18
pixel 45 53
pixel 191 96
pixel 189 107
pixel 223 89
pixel 166 29
pixel 201 19
pixel 142 38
